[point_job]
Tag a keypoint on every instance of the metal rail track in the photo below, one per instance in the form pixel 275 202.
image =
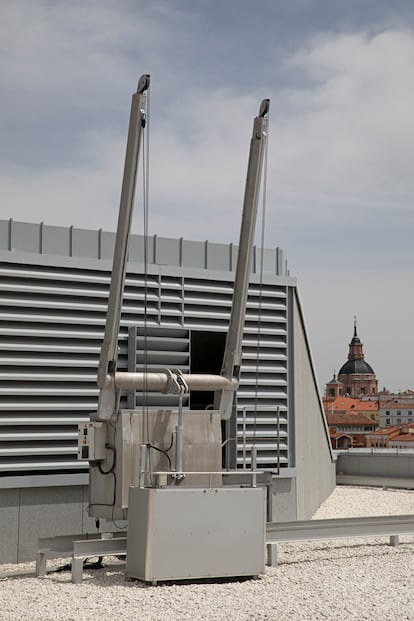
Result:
pixel 340 528
pixel 81 547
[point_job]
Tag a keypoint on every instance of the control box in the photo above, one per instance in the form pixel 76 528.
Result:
pixel 92 441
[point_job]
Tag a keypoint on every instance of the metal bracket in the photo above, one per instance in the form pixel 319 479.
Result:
pixel 176 384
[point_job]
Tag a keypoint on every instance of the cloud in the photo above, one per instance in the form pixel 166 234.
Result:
pixel 339 181
pixel 63 195
pixel 339 138
pixel 347 133
pixel 67 68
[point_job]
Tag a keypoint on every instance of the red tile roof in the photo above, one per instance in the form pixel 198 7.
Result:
pixel 403 437
pixel 395 432
pixel 348 404
pixel 349 418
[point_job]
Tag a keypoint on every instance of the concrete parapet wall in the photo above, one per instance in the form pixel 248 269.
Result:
pixel 376 463
pixel 98 244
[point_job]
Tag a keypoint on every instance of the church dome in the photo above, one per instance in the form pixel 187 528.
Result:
pixel 356 366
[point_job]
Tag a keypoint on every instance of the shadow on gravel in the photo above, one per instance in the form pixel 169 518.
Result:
pixel 384 549
pixel 167 583
pixel 106 575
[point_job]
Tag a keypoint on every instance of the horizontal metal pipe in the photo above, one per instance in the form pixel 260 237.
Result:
pixel 158 382
pixel 221 472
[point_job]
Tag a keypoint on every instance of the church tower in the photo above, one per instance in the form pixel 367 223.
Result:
pixel 334 388
pixel 356 378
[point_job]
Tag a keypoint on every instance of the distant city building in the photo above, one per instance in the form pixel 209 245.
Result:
pixel 358 415
pixel 396 412
pixel 350 420
pixel 406 396
pixel 356 378
pixel 395 436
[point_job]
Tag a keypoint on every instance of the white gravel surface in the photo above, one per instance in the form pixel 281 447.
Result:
pixel 342 579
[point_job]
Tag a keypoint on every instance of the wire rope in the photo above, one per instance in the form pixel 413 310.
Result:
pixel 145 172
pixel 261 269
pixel 146 185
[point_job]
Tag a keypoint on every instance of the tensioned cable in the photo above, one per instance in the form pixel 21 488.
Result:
pixel 145 171
pixel 261 267
pixel 146 184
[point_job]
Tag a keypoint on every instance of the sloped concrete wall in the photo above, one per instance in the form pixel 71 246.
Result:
pixel 315 465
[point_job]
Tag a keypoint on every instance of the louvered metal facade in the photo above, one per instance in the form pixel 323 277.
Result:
pixel 54 287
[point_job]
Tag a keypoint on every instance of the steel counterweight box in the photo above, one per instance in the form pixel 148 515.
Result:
pixel 187 533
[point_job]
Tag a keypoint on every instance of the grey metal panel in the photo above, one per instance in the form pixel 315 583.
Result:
pixel 193 254
pixel 234 250
pixel 4 234
pixel 218 256
pixel 167 251
pixel 195 533
pixel 282 501
pixel 24 236
pixel 107 244
pixel 137 249
pixel 55 240
pixel 268 259
pixel 85 243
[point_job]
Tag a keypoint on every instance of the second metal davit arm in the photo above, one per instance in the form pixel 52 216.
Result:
pixel 232 354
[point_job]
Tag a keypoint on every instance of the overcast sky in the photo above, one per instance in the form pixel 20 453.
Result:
pixel 340 186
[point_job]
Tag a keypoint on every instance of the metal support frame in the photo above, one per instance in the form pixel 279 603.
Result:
pixel 62 546
pixel 95 547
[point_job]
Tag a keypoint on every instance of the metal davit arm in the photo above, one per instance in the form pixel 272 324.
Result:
pixel 232 354
pixel 109 349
